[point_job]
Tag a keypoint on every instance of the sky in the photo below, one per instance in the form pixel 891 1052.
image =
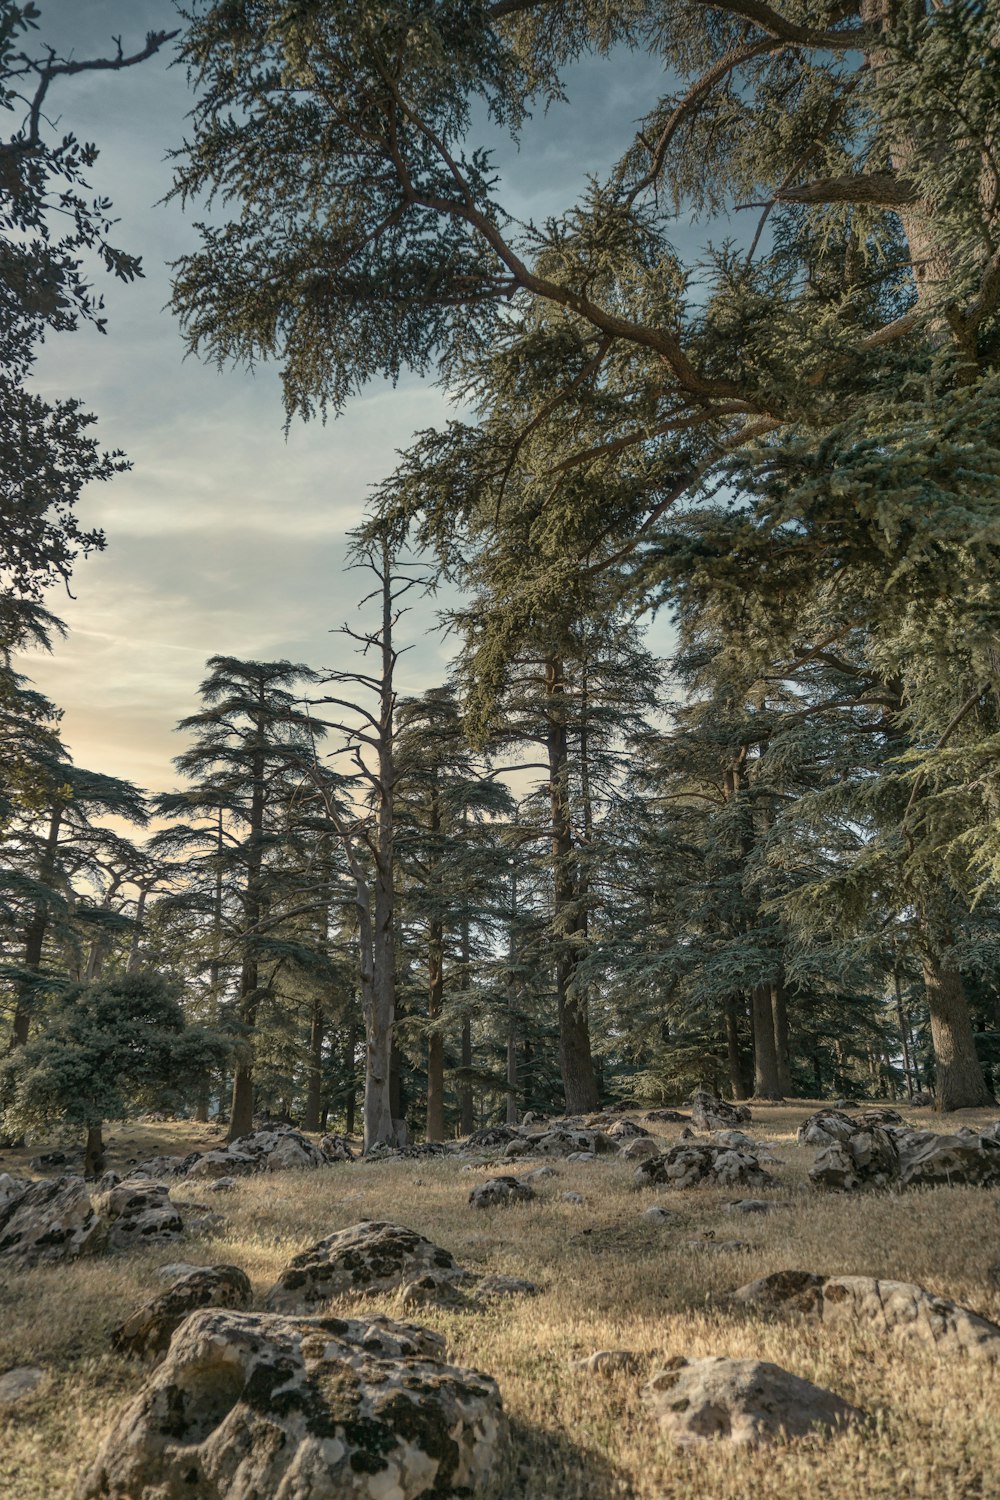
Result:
pixel 227 536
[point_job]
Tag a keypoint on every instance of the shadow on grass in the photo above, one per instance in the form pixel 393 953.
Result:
pixel 550 1466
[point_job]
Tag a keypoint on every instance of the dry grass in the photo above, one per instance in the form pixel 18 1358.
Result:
pixel 609 1280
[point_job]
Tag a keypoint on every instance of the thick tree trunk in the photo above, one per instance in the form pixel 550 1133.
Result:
pixel 314 1082
pixel 435 991
pixel 202 1100
pixel 734 1054
pixel 765 1057
pixel 466 1102
pixel 241 1118
pixel 241 1111
pixel 960 1083
pixel 93 1156
pixel 350 1092
pixel 779 1012
pixel 34 934
pixel 576 1065
pixel 903 1031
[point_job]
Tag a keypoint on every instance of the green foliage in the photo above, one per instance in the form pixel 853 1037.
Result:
pixel 107 1049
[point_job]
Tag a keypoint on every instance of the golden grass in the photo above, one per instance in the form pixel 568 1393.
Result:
pixel 609 1280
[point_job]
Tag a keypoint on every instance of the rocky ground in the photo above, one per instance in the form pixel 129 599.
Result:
pixel 567 1332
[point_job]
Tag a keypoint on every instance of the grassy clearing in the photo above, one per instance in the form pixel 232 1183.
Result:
pixel 609 1280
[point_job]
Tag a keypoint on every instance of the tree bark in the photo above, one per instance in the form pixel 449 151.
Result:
pixel 435 989
pixel 576 1065
pixel 959 1083
pixel 779 1012
pixel 241 1116
pixel 765 1057
pixel 34 934
pixel 734 1055
pixel 93 1156
pixel 314 1083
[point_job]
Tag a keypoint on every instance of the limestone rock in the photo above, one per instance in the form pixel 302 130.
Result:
pixel 432 1289
pixel 639 1149
pixel 564 1141
pixel 491 1136
pixel 497 1288
pixel 867 1158
pixel 538 1174
pixel 308 1409
pixel 149 1330
pixel 223 1162
pixel 668 1116
pixel 159 1167
pixel 575 1198
pixel 336 1148
pixel 607 1362
pixel 627 1130
pixel 49 1220
pixel 719 1247
pixel 949 1159
pixel 686 1165
pixel 733 1140
pixel 373 1256
pixel 141 1213
pixel 500 1191
pixel 741 1401
pixel 906 1312
pixel 751 1206
pixel 710 1113
pixel 16 1384
pixel 657 1214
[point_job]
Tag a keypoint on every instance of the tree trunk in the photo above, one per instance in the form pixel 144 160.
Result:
pixel 93 1156
pixel 903 1031
pixel 466 1103
pixel 34 934
pixel 779 1012
pixel 201 1103
pixel 241 1119
pixel 734 1055
pixel 314 1083
pixel 241 1111
pixel 350 1095
pixel 959 1076
pixel 435 989
pixel 576 1065
pixel 765 1058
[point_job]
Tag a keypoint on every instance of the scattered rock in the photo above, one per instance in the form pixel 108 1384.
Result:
pixel 50 1159
pixel 687 1166
pixel 751 1206
pixel 562 1141
pixel 149 1330
pixel 909 1313
pixel 220 1185
pixel 581 1156
pixel 741 1401
pixel 711 1113
pixel 431 1290
pixel 733 1140
pixel 868 1158
pixel 626 1130
pixel 607 1362
pixel 657 1214
pixel 639 1149
pixel 370 1257
pixel 496 1288
pixel 668 1116
pixel 336 1148
pixel 571 1198
pixel 497 1191
pixel 178 1268
pixel 492 1136
pixel 49 1220
pixel 948 1159
pixel 158 1167
pixel 308 1408
pixel 140 1212
pixel 16 1384
pixel 538 1174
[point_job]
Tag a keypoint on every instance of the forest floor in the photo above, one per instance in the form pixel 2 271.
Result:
pixel 609 1280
